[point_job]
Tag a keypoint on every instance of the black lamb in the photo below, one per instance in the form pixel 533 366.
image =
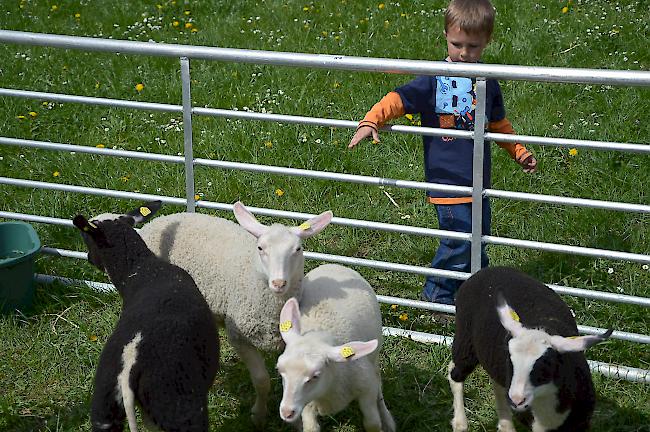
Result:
pixel 526 338
pixel 164 351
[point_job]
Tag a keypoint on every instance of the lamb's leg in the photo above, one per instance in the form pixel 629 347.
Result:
pixel 387 421
pixel 310 419
pixel 503 409
pixel 459 422
pixel 259 376
pixel 370 411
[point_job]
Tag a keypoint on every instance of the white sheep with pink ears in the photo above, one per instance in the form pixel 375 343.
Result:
pixel 333 338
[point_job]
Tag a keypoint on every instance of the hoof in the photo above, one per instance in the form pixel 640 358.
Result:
pixel 459 425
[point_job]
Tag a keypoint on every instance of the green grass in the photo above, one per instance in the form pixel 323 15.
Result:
pixel 49 355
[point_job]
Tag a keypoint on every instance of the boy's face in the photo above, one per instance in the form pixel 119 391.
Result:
pixel 464 47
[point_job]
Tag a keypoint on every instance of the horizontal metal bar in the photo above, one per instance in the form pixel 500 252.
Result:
pixel 563 290
pixel 575 250
pixel 156 157
pixel 90 191
pixel 609 370
pixel 119 103
pixel 419 304
pixel 566 142
pixel 577 202
pixel 384 265
pixel 324 175
pixel 325 122
pixel 321 61
pixel 503 241
pixel 97 286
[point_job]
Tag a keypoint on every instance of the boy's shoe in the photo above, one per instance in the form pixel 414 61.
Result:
pixel 438 317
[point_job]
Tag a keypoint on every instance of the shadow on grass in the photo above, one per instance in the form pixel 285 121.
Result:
pixel 64 419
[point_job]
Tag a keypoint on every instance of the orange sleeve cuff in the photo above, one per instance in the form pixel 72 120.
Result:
pixel 388 108
pixel 516 150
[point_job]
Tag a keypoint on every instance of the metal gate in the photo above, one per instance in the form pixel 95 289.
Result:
pixel 479 71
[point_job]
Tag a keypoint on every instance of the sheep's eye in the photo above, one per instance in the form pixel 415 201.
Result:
pixel 259 248
pixel 298 249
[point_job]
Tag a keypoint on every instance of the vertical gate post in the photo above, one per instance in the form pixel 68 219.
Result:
pixel 477 179
pixel 187 135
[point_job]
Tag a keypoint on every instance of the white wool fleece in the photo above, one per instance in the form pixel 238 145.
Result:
pixel 222 257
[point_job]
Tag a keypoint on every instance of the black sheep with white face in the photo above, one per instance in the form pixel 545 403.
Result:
pixel 164 352
pixel 525 337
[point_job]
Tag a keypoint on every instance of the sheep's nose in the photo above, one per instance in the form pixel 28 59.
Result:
pixel 278 283
pixel 287 414
pixel 518 401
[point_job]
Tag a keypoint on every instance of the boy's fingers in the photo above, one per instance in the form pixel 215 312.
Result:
pixel 375 136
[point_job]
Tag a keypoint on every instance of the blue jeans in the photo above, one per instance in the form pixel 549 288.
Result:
pixel 453 254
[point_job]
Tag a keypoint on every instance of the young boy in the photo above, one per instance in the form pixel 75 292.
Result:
pixel 449 102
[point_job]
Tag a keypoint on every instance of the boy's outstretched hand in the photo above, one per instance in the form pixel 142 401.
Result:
pixel 362 133
pixel 529 164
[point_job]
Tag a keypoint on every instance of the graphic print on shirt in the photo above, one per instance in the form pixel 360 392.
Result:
pixel 455 102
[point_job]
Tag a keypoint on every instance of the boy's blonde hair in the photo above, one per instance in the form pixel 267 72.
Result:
pixel 475 17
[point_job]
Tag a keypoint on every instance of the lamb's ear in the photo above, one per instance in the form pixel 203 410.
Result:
pixel 314 225
pixel 508 317
pixel 247 220
pixel 578 343
pixel 91 230
pixel 143 213
pixel 352 350
pixel 290 320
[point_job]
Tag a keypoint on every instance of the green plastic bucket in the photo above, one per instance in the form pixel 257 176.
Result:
pixel 19 244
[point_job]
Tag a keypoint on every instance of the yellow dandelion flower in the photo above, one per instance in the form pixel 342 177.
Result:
pixel 403 317
pixel 125 178
pixel 139 87
pixel 268 144
pixel 186 12
pixel 92 338
pixel 100 146
pixel 194 30
pixel 56 174
pixel 54 7
pixel 44 104
pixel 33 113
pixel 159 6
pixel 21 117
pixel 306 8
pixel 393 307
pixel 324 33
pixel 188 25
pixel 409 116
pixel 336 84
pixel 176 23
pixel 279 192
pixel 565 9
pixel 77 15
pixel 381 6
pixel 573 152
pixel 197 197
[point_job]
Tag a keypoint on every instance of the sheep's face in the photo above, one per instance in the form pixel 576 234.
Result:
pixel 281 256
pixel 534 367
pixel 280 247
pixel 305 376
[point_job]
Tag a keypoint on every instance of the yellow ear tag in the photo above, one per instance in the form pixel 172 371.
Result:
pixel 347 351
pixel 514 315
pixel 305 226
pixel 144 211
pixel 285 326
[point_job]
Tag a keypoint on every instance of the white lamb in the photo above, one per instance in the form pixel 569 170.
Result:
pixel 245 278
pixel 332 349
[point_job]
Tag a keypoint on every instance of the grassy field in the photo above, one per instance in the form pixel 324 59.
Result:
pixel 48 356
